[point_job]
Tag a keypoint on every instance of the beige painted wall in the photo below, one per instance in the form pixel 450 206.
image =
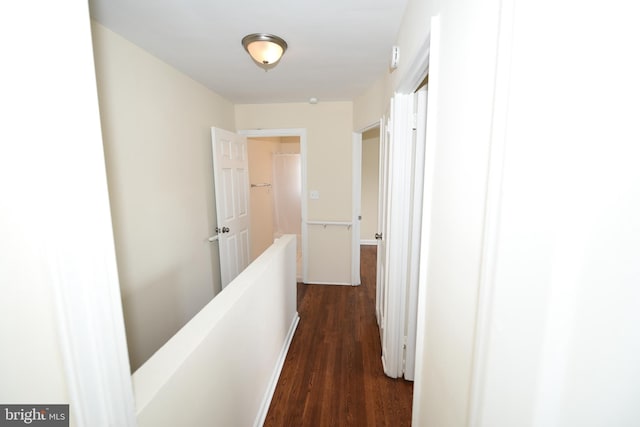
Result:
pixel 370 106
pixel 290 144
pixel 369 199
pixel 329 151
pixel 156 128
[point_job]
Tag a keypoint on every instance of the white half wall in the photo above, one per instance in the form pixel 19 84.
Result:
pixel 221 368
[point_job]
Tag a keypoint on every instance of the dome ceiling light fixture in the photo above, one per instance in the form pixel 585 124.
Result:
pixel 265 49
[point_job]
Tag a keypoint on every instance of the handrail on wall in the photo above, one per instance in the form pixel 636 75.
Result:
pixel 347 224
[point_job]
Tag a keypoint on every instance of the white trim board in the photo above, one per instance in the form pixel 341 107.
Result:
pixel 419 68
pixel 369 242
pixel 430 146
pixel 329 283
pixel 492 215
pixel 72 249
pixel 400 192
pixel 417 203
pixel 273 382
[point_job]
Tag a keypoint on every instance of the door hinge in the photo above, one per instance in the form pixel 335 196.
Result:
pixel 404 355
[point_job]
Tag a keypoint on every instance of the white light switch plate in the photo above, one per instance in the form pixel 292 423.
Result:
pixel 314 194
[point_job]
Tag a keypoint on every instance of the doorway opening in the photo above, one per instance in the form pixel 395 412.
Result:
pixel 369 185
pixel 277 175
pixel 370 203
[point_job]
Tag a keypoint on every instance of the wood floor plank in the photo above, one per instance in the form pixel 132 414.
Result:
pixel 333 374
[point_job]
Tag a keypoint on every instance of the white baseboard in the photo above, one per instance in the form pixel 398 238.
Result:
pixel 273 382
pixel 329 283
pixel 369 242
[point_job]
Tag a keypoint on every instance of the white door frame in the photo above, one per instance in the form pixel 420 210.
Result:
pixel 302 134
pixel 400 320
pixel 431 49
pixel 398 236
pixel 71 251
pixel 417 207
pixel 382 256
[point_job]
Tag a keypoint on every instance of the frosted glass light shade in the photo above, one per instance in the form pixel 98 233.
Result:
pixel 265 52
pixel 265 49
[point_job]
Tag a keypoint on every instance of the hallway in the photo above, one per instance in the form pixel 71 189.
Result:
pixel 333 372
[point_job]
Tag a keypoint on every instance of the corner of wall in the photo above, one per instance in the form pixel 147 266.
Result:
pixel 160 178
pixel 371 105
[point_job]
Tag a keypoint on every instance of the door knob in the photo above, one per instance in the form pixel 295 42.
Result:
pixel 378 236
pixel 225 229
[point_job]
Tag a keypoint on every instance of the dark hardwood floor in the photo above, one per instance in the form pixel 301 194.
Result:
pixel 333 372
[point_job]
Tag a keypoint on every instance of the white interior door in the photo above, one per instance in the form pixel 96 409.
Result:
pixel 231 181
pixel 383 206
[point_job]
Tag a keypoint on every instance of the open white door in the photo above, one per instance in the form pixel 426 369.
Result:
pixel 231 181
pixel 397 231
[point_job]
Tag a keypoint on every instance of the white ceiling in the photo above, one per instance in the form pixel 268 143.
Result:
pixel 337 48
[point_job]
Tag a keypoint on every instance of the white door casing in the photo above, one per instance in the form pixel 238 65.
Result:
pixel 401 308
pixel 398 233
pixel 418 176
pixel 380 236
pixel 61 299
pixel 231 182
